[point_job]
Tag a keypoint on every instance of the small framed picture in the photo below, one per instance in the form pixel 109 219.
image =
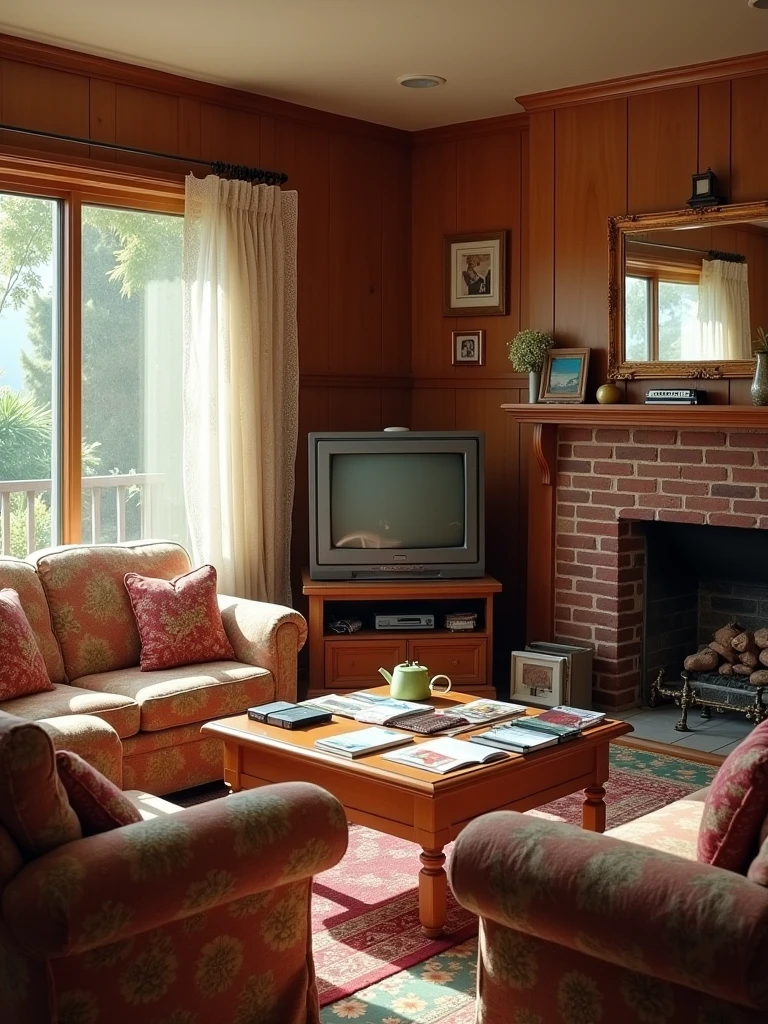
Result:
pixel 564 376
pixel 537 679
pixel 468 348
pixel 475 274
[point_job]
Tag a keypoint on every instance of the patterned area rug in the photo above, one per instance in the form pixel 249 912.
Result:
pixel 365 910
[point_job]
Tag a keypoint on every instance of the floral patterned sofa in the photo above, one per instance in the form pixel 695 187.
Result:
pixel 78 607
pixel 581 928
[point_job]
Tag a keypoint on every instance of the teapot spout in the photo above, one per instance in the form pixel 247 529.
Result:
pixel 387 675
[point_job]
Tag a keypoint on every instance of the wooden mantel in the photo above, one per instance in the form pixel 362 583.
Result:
pixel 725 417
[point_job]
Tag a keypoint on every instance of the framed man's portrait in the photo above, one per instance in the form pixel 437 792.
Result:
pixel 468 348
pixel 475 274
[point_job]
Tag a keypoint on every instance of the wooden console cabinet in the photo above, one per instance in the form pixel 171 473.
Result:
pixel 343 662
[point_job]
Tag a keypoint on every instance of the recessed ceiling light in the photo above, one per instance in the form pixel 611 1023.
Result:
pixel 761 5
pixel 421 81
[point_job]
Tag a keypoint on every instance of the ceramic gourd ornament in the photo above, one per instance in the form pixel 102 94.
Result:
pixel 608 393
pixel 410 681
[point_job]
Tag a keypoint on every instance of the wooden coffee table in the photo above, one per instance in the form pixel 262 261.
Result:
pixel 427 809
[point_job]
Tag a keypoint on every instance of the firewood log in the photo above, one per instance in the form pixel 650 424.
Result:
pixel 759 678
pixel 764 657
pixel 750 659
pixel 744 642
pixel 705 660
pixel 726 669
pixel 727 633
pixel 761 637
pixel 741 670
pixel 724 651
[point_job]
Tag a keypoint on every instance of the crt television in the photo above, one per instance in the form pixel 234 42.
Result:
pixel 396 505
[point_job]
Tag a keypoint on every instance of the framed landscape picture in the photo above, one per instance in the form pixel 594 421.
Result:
pixel 475 274
pixel 537 678
pixel 564 376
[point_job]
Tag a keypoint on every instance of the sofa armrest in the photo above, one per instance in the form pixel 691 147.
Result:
pixel 647 911
pixel 92 738
pixel 267 635
pixel 108 887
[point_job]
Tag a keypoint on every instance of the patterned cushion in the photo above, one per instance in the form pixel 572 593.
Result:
pixel 90 738
pixel 190 693
pixel 91 612
pixel 737 805
pixel 99 804
pixel 122 713
pixel 33 804
pixel 179 621
pixel 21 577
pixel 22 669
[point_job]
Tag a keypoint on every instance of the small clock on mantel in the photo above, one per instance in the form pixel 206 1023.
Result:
pixel 704 190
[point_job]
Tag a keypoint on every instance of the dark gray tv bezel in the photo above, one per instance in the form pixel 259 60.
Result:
pixel 328 563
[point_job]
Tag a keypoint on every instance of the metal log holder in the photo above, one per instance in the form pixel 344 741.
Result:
pixel 709 691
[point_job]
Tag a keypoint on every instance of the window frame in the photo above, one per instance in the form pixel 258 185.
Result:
pixel 75 186
pixel 656 272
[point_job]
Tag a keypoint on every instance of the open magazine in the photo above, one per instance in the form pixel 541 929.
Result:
pixel 444 755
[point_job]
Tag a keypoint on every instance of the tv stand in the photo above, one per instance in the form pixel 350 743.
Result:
pixel 344 662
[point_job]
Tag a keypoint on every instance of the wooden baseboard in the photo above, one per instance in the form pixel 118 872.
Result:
pixel 671 750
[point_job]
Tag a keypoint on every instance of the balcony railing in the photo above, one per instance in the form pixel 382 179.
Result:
pixel 121 484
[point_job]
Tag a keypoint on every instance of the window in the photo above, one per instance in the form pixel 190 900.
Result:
pixel 660 312
pixel 90 366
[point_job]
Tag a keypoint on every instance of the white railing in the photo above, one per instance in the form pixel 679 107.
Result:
pixel 96 485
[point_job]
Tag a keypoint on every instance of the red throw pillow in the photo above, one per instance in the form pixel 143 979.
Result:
pixel 736 805
pixel 179 621
pixel 97 802
pixel 22 666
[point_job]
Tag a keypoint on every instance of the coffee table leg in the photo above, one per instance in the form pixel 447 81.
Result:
pixel 593 809
pixel 433 892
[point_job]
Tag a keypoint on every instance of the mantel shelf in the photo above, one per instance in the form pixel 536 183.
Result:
pixel 725 417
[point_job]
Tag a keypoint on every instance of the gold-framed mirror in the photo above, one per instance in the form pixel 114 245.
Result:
pixel 687 291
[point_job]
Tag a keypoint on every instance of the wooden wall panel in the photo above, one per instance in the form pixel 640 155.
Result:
pixel 147 120
pixel 433 408
pixel 233 136
pixel 662 149
pixel 102 117
pixel 590 186
pixel 749 138
pixel 53 101
pixel 541 229
pixel 395 260
pixel 715 132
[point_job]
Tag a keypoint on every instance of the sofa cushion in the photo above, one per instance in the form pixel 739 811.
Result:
pixel 99 805
pixel 670 829
pixel 90 609
pixel 178 620
pixel 737 805
pixel 34 808
pixel 21 577
pixel 11 861
pixel 191 693
pixel 22 668
pixel 121 712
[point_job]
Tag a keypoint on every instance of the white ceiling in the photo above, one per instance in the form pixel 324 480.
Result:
pixel 345 55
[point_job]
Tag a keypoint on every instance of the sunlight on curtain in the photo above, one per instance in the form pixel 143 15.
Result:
pixel 724 311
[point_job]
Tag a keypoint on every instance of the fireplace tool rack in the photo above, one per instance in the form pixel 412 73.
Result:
pixel 709 691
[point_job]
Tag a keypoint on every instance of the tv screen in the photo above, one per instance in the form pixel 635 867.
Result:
pixel 398 500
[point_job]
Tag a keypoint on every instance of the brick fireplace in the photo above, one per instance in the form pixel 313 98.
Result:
pixel 610 482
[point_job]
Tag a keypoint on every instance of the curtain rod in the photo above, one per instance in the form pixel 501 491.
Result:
pixel 713 254
pixel 256 175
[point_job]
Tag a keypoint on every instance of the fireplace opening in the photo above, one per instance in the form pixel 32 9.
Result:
pixel 697 579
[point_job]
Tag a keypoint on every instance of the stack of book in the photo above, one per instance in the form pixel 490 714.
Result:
pixel 363 742
pixel 374 709
pixel 535 732
pixel 458 621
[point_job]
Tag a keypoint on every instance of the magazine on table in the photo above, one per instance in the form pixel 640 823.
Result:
pixel 483 712
pixel 443 755
pixel 362 742
pixel 378 713
pixel 513 738
pixel 561 730
pixel 565 715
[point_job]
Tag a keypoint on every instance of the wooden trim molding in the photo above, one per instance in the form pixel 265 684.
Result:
pixel 679 417
pixel 470 129
pixel 669 78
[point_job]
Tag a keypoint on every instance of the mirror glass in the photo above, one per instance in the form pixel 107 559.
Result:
pixel 694 293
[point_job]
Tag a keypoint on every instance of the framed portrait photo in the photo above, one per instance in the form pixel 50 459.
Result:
pixel 564 375
pixel 537 679
pixel 475 274
pixel 468 348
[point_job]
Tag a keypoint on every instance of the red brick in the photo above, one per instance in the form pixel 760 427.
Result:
pixel 597 529
pixel 565 451
pixel 710 473
pixel 574 434
pixel 749 476
pixel 622 436
pixel 570 495
pixel 763 524
pixel 592 482
pixel 610 498
pixel 572 541
pixel 702 438
pixel 594 618
pixel 723 520
pixel 654 436
pixel 762 458
pixel 670 516
pixel 707 504
pixel 614 468
pixel 633 486
pixel 730 458
pixel 577 600
pixel 757 440
pixel 591 587
pixel 636 513
pixel 595 558
pixel 571 631
pixel 687 456
pixel 733 491
pixel 563 480
pixel 607 575
pixel 633 543
pixel 565 555
pixel 563 583
pixel 615 701
pixel 592 451
pixel 574 466
pixel 563 614
pixel 660 472
pixel 660 501
pixel 758 508
pixel 610 543
pixel 566 569
pixel 683 487
pixel 597 513
pixel 607 604
pixel 566 511
pixel 636 453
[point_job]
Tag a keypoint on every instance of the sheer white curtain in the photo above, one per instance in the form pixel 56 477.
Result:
pixel 724 311
pixel 240 381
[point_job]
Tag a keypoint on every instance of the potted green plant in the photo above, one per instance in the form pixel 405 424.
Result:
pixel 759 389
pixel 526 352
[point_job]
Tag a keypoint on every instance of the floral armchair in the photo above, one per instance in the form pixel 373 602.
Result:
pixel 580 928
pixel 195 917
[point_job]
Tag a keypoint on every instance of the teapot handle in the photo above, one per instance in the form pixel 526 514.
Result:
pixel 434 680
